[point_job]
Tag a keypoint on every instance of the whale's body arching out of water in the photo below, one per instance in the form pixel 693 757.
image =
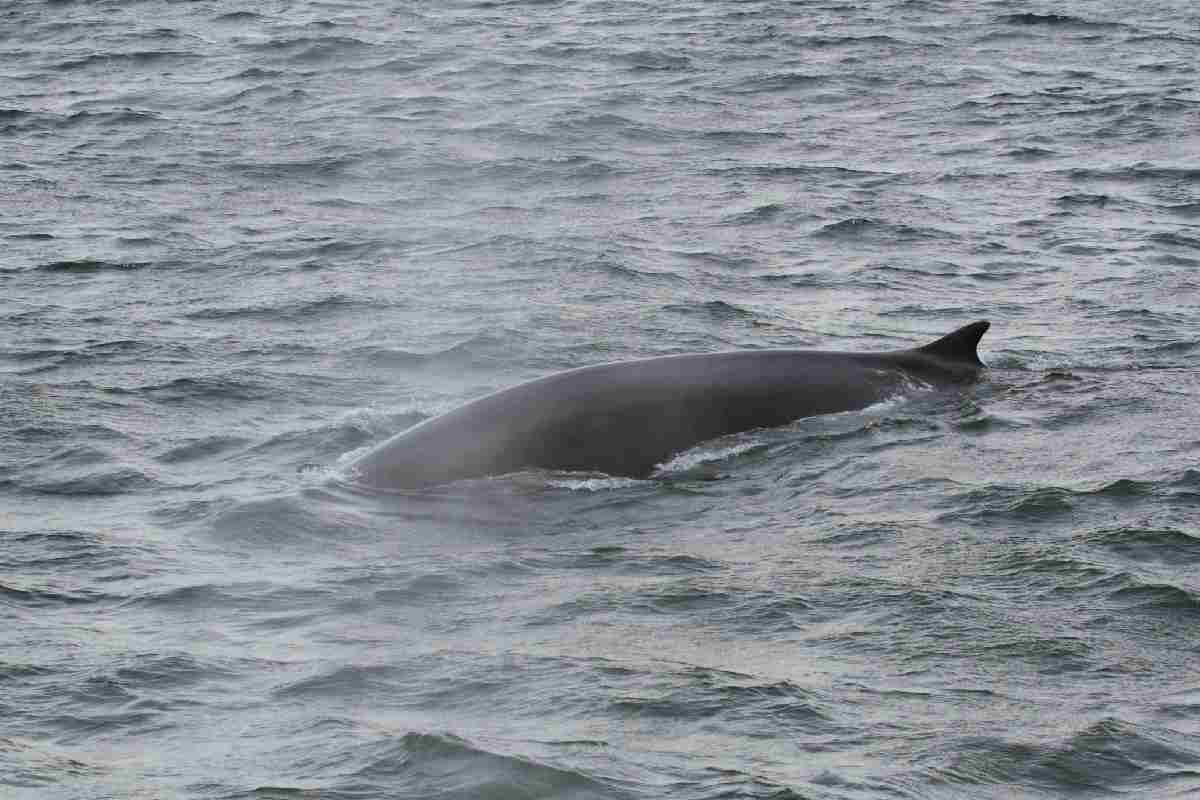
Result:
pixel 627 417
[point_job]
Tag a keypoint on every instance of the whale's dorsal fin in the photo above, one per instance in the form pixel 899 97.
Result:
pixel 959 345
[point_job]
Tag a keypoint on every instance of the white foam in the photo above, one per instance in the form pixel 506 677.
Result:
pixel 598 484
pixel 690 459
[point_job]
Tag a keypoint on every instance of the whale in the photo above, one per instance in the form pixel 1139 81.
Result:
pixel 626 418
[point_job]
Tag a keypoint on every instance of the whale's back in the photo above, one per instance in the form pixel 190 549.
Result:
pixel 625 418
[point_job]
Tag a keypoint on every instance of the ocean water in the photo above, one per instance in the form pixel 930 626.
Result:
pixel 242 242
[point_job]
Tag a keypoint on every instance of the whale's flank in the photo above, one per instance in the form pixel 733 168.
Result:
pixel 624 418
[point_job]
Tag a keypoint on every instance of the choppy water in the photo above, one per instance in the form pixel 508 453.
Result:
pixel 242 242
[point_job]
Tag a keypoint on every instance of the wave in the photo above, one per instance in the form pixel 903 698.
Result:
pixel 312 49
pixel 124 60
pixel 1157 596
pixel 345 682
pixel 288 310
pixel 239 17
pixel 25 123
pixel 1047 502
pixel 39 765
pixel 84 472
pixel 1140 171
pixel 226 388
pixel 871 40
pixel 864 229
pixel 1102 756
pixel 201 448
pixel 89 265
pixel 712 309
pixel 1084 199
pixel 1056 21
pixel 34 594
pixel 1175 239
pixel 834 174
pixel 299 522
pixel 439 763
pixel 1184 209
pixel 768 212
pixel 780 82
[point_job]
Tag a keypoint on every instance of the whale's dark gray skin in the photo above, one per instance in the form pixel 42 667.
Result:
pixel 625 418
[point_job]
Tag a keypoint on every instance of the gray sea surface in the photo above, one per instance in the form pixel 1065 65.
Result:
pixel 243 242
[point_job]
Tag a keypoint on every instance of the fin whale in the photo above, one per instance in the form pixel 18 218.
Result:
pixel 627 417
